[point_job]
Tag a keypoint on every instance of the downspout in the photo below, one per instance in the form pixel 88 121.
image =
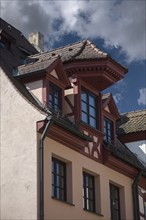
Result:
pixel 136 197
pixel 41 165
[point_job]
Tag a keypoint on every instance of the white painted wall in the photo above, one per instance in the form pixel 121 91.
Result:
pixel 36 88
pixel 18 158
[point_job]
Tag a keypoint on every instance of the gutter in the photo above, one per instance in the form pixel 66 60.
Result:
pixel 50 119
pixel 41 165
pixel 135 196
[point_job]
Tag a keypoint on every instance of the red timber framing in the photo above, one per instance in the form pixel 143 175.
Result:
pixel 93 150
pixel 119 165
pixel 100 73
pixel 131 137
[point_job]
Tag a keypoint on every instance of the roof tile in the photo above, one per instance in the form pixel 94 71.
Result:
pixel 132 122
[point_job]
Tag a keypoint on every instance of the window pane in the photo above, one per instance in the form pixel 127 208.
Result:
pixel 58 179
pixel 92 100
pixel 92 122
pixel 84 117
pixel 54 98
pixel 50 97
pixel 92 111
pixel 90 182
pixel 55 93
pixel 88 106
pixel 84 106
pixel 56 101
pixel 84 96
pixel 108 129
pixel 109 125
pixel 88 192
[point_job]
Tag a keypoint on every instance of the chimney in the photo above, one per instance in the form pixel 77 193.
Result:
pixel 37 40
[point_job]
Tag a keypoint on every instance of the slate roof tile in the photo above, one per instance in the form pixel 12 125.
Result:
pixel 77 51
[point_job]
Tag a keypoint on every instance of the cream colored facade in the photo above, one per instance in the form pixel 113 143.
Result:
pixel 76 164
pixel 18 154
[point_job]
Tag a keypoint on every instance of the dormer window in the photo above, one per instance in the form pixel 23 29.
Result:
pixel 55 97
pixel 108 130
pixel 89 108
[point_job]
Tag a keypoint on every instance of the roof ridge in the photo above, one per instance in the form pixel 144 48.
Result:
pixel 58 48
pixel 96 48
pixel 135 111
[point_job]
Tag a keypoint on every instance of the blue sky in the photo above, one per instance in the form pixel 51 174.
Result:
pixel 118 27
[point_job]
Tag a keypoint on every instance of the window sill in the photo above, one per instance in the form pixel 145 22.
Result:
pixel 59 200
pixel 94 213
pixel 91 129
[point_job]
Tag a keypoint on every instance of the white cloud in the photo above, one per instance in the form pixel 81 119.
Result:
pixel 119 23
pixel 142 98
pixel 118 97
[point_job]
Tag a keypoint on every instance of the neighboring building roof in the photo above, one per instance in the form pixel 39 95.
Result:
pixel 18 48
pixel 20 41
pixel 12 57
pixel 132 122
pixel 122 152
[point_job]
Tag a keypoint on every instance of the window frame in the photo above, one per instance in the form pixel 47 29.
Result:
pixel 86 199
pixel 108 138
pixel 59 104
pixel 89 107
pixel 114 188
pixel 54 180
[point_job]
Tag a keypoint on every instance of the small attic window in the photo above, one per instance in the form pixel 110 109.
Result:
pixel 4 42
pixel 70 49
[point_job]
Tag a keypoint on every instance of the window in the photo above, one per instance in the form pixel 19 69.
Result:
pixel 115 202
pixel 4 42
pixel 54 98
pixel 58 179
pixel 108 130
pixel 89 108
pixel 88 192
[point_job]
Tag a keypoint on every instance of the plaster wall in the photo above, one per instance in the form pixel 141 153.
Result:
pixel 36 87
pixel 18 158
pixel 78 163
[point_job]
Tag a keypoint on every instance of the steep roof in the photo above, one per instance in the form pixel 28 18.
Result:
pixel 122 152
pixel 84 49
pixel 79 50
pixel 20 41
pixel 12 57
pixel 132 122
pixel 34 64
pixel 18 48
